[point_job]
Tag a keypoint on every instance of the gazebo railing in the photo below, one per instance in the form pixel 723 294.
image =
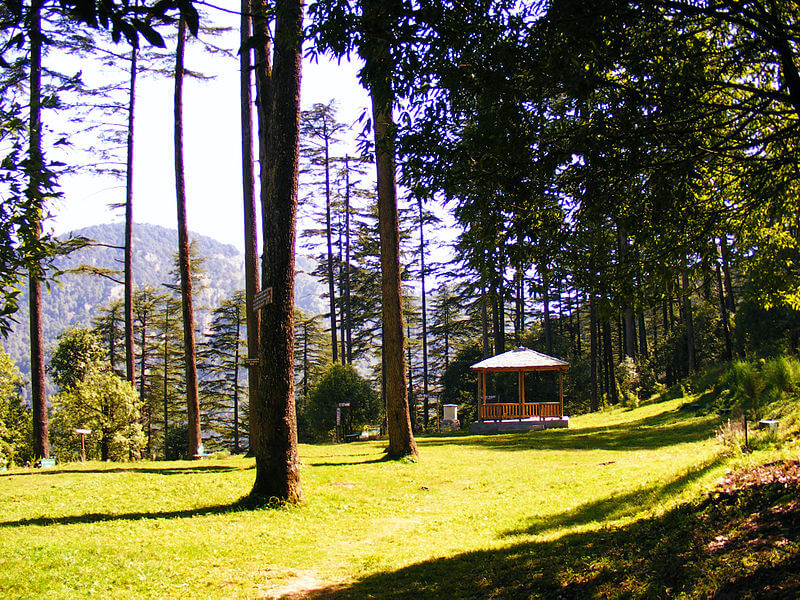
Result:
pixel 499 411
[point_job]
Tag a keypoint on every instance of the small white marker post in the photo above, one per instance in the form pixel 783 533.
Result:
pixel 83 433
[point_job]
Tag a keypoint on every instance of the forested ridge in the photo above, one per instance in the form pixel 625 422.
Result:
pixel 73 299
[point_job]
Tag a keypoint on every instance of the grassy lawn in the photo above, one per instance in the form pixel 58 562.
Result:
pixel 544 514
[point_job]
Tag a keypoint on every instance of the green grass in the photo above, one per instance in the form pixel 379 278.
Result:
pixel 515 515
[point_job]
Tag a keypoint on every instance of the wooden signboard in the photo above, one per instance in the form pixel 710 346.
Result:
pixel 262 298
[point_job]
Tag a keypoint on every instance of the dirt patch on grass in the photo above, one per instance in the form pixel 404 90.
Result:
pixel 301 585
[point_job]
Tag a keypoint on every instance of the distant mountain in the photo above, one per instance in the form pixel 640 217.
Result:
pixel 73 301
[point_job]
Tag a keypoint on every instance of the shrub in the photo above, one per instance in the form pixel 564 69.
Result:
pixel 628 380
pixel 745 383
pixel 341 384
pixel 731 435
pixel 781 373
pixel 16 424
pixel 105 404
pixel 177 442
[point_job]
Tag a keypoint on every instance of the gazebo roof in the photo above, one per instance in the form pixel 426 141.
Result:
pixel 521 359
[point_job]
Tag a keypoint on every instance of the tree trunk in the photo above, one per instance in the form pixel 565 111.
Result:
pixel 251 281
pixel 630 332
pixel 643 351
pixel 236 384
pixel 725 254
pixel 328 237
pixel 612 384
pixel 190 360
pixel 104 446
pixel 424 319
pixel 275 449
pixel 723 313
pixel 130 359
pixel 411 399
pixel 340 279
pixel 166 378
pixel 548 325
pixel 689 321
pixel 519 321
pixel 577 310
pixel 305 359
pixel 347 313
pixel 594 403
pixel 560 308
pixel 487 351
pixel 628 328
pixel 401 438
pixel 498 321
pixel 142 380
pixel 668 318
pixel 41 440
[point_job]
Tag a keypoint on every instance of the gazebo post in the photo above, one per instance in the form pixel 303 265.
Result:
pixel 482 409
pixel 561 392
pixel 521 379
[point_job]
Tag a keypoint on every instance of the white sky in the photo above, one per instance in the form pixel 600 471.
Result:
pixel 212 147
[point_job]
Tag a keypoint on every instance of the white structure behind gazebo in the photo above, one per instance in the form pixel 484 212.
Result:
pixel 496 416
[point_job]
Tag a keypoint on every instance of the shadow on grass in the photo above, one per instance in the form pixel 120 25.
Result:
pixel 370 461
pixel 247 503
pixel 155 470
pixel 649 433
pixel 615 507
pixel 671 555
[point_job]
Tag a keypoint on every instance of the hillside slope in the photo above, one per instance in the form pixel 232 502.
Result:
pixel 74 300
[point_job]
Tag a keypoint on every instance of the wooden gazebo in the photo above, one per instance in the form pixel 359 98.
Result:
pixel 521 360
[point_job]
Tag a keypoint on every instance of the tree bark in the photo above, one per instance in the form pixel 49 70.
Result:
pixel 630 332
pixel 643 350
pixel 329 242
pixel 725 254
pixel 166 378
pixel 577 310
pixel 425 406
pixel 723 312
pixel 594 403
pixel 130 358
pixel 187 304
pixel 375 50
pixel 143 381
pixel 610 371
pixel 548 326
pixel 236 383
pixel 251 282
pixel 689 322
pixel 401 437
pixel 275 449
pixel 41 440
pixel 347 313
pixel 487 350
pixel 497 322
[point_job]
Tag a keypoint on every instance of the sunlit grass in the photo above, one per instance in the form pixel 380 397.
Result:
pixel 177 530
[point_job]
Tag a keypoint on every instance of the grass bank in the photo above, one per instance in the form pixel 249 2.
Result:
pixel 521 515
